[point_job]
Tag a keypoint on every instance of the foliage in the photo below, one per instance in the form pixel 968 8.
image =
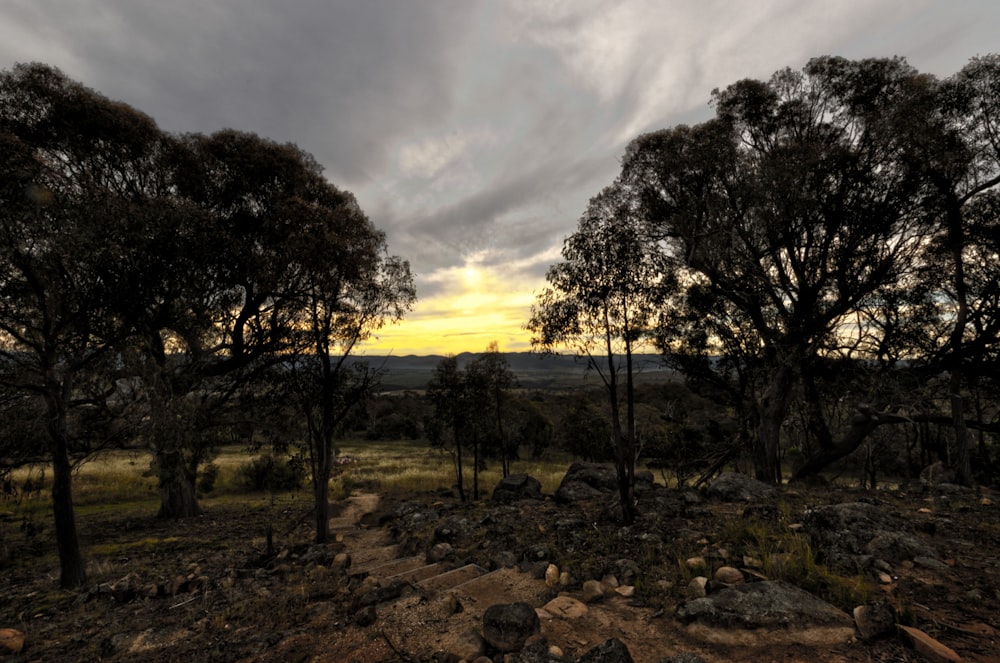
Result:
pixel 148 280
pixel 274 474
pixel 601 303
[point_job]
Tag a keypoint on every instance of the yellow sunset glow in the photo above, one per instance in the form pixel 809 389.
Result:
pixel 471 306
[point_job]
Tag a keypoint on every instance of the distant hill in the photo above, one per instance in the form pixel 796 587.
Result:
pixel 533 371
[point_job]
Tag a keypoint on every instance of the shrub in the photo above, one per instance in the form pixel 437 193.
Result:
pixel 269 473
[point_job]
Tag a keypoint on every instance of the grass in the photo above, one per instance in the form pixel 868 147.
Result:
pixel 789 556
pixel 414 466
pixel 119 480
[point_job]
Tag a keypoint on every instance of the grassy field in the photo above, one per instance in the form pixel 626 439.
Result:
pixel 119 479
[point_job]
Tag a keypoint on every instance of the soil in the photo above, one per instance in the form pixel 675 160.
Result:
pixel 212 589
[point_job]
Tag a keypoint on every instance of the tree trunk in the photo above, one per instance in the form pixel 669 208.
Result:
pixel 458 460
pixel 177 489
pixel 321 495
pixel 72 567
pixel 773 409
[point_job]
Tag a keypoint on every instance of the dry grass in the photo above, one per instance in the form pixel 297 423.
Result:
pixel 120 479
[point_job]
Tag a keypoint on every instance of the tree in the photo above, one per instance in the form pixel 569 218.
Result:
pixel 71 181
pixel 496 380
pixel 210 320
pixel 446 392
pixel 795 205
pixel 601 304
pixel 350 288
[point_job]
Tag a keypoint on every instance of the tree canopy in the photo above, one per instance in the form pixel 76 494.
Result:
pixel 164 272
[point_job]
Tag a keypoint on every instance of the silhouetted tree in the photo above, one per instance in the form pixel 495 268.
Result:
pixel 601 303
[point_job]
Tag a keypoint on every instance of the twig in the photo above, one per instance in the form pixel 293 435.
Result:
pixel 402 655
pixel 177 605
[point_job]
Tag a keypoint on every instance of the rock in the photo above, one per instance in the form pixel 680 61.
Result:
pixel 628 591
pixel 737 615
pixel 565 579
pixel 698 587
pixel 898 546
pixel 609 651
pixel 507 626
pixel 11 641
pixel 504 559
pixel 683 658
pixel 466 646
pixel 439 552
pixel 565 607
pixel 584 481
pixel 874 620
pixel 551 576
pixel 517 487
pixel 454 529
pixel 593 591
pixel 928 647
pixel 732 487
pixel 854 534
pixel 625 571
pixel 728 575
pixel 696 563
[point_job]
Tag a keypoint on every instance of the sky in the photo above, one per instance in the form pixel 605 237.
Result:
pixel 473 133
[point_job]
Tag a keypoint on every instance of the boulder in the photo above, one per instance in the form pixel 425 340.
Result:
pixel 732 487
pixel 856 534
pixel 768 611
pixel 507 626
pixel 584 481
pixel 517 487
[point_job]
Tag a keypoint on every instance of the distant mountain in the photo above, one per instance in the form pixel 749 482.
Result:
pixel 533 371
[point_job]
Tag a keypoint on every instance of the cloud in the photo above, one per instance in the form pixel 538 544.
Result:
pixel 473 133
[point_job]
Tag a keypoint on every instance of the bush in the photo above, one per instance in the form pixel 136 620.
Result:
pixel 269 473
pixel 207 478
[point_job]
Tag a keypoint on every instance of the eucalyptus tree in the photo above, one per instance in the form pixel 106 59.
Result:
pixel 73 191
pixel 447 395
pixel 349 288
pixel 795 204
pixel 495 380
pixel 601 304
pixel 222 294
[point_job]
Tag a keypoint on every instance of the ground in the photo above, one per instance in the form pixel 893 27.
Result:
pixel 211 588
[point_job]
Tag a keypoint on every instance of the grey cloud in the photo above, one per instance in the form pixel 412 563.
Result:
pixel 341 79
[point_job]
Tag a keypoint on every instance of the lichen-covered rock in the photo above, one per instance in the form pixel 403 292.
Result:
pixel 732 487
pixel 762 605
pixel 584 481
pixel 517 487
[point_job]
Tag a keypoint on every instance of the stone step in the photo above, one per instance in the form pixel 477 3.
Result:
pixel 420 574
pixel 371 556
pixel 388 569
pixel 451 578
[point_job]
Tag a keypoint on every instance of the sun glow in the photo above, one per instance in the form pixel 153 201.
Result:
pixel 467 307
